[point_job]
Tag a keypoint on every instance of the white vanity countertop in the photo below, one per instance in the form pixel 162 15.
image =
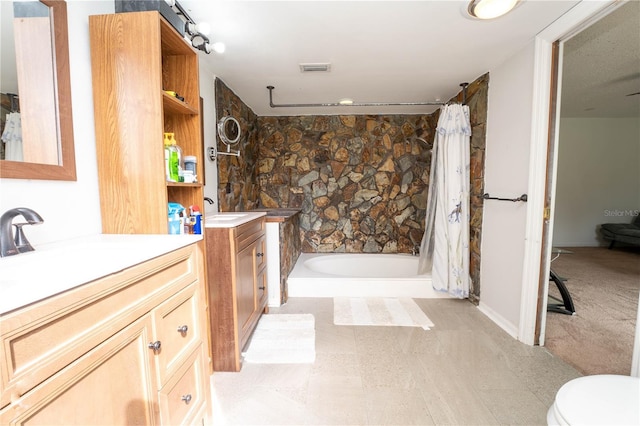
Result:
pixel 56 267
pixel 231 219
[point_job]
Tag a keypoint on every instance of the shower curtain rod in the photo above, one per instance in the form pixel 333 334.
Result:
pixel 356 104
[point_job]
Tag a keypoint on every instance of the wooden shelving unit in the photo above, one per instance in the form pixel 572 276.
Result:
pixel 135 58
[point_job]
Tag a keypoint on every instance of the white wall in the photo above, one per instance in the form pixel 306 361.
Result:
pixel 207 91
pixel 69 209
pixel 598 179
pixel 506 176
pixel 72 209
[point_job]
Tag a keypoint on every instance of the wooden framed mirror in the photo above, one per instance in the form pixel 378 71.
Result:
pixel 41 40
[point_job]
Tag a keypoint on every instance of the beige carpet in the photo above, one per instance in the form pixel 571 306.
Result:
pixel 604 285
pixel 379 311
pixel 283 339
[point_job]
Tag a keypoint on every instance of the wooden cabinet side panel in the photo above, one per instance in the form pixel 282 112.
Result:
pixel 221 282
pixel 126 69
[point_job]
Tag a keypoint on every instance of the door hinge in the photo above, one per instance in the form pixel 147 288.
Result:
pixel 546 215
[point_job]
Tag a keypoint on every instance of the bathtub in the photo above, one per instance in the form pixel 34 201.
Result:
pixel 359 275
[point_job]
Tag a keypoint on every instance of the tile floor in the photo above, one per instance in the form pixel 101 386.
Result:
pixel 465 370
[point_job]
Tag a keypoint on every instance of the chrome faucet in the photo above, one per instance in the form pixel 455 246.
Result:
pixel 10 245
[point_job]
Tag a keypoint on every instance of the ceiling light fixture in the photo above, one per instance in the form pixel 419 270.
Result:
pixel 490 9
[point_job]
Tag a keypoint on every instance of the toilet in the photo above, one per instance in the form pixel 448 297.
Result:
pixel 597 400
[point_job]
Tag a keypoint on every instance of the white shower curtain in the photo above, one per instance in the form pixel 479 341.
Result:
pixel 445 245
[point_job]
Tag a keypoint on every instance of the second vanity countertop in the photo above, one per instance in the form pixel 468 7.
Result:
pixel 56 267
pixel 231 219
pixel 280 215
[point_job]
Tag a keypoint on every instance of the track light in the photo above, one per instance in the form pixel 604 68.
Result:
pixel 193 29
pixel 197 34
pixel 218 47
pixel 201 42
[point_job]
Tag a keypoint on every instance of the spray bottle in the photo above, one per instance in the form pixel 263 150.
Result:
pixel 196 219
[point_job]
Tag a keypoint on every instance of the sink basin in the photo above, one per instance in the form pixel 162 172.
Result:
pixel 226 216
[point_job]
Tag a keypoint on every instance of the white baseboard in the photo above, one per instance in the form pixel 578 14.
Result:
pixel 511 329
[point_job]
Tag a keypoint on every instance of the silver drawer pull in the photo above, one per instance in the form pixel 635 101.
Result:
pixel 155 345
pixel 183 329
pixel 186 398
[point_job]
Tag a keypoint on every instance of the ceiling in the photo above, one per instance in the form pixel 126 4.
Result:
pixel 379 51
pixel 601 66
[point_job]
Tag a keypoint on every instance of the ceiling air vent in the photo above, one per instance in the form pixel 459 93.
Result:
pixel 315 67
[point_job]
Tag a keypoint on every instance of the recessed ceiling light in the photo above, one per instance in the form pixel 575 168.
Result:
pixel 490 9
pixel 346 102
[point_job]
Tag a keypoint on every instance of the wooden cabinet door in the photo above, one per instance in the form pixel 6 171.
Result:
pixel 245 289
pixel 111 384
pixel 261 273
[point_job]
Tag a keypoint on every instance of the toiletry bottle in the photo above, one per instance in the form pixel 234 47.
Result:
pixel 174 159
pixel 190 163
pixel 167 154
pixel 180 163
pixel 196 219
pixel 176 221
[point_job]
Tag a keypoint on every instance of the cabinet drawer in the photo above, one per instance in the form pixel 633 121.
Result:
pixel 44 337
pixel 181 399
pixel 248 232
pixel 177 328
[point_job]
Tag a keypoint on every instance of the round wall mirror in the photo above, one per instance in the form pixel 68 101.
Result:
pixel 229 130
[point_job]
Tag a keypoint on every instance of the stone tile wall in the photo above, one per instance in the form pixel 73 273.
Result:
pixel 477 95
pixel 289 252
pixel 237 183
pixel 359 180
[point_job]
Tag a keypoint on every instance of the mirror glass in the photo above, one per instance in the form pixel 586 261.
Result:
pixel 229 130
pixel 35 115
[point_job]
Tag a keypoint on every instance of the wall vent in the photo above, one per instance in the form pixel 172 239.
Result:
pixel 315 67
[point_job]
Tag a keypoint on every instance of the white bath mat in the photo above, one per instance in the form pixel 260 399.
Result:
pixel 401 312
pixel 283 339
